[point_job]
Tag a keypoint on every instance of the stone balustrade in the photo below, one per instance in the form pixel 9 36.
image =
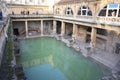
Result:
pixel 31 15
pixel 108 20
pixel 99 20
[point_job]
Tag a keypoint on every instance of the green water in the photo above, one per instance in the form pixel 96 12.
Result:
pixel 49 59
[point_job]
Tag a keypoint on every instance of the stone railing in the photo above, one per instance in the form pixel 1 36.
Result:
pixel 99 20
pixel 85 18
pixel 91 19
pixel 71 16
pixel 108 20
pixel 31 16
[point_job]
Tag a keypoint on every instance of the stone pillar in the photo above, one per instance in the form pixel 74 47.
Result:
pixel 54 27
pixel 26 28
pixel 63 29
pixel 93 37
pixel 41 27
pixel 75 28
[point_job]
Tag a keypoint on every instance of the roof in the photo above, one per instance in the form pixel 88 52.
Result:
pixel 68 1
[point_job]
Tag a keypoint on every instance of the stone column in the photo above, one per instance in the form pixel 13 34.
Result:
pixel 41 27
pixel 54 27
pixel 26 28
pixel 63 29
pixel 93 37
pixel 75 28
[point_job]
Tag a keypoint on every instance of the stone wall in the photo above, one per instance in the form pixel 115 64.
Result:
pixel 34 24
pixel 47 27
pixel 3 36
pixel 82 32
pixel 32 9
pixel 2 41
pixel 112 39
pixel 20 25
pixel 68 29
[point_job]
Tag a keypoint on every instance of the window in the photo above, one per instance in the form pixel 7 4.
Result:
pixel 111 10
pixel 84 11
pixel 57 11
pixel 68 11
pixel 103 11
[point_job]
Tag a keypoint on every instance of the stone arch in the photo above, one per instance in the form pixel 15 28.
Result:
pixel 68 11
pixel 84 11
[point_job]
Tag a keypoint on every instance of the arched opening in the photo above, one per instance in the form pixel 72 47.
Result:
pixel 111 10
pixel 84 11
pixel 68 11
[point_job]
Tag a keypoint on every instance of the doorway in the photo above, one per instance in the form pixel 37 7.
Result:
pixel 16 31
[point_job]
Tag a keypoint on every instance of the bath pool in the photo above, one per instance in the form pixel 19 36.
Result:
pixel 49 59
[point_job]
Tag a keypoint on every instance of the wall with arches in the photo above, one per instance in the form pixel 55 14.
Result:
pixel 74 7
pixel 94 6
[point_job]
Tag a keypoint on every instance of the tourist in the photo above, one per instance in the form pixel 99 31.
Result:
pixel 12 13
pixel 37 13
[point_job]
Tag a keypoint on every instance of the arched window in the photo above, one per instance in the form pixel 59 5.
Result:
pixel 111 10
pixel 84 11
pixel 68 11
pixel 58 11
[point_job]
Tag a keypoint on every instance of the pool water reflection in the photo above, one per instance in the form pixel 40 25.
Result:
pixel 49 59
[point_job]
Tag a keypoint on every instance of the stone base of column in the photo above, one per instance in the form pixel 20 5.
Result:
pixel 27 36
pixel 41 34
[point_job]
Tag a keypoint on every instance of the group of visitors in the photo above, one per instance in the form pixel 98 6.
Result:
pixel 26 12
